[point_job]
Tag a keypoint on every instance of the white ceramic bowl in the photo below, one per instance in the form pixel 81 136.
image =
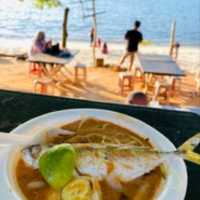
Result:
pixel 176 183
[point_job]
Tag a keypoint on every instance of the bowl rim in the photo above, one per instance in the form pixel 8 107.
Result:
pixel 177 175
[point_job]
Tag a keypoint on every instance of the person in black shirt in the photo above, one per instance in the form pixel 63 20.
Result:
pixel 133 37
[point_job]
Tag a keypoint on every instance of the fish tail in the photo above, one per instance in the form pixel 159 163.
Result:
pixel 188 147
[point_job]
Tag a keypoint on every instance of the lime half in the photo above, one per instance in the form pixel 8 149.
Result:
pixel 57 165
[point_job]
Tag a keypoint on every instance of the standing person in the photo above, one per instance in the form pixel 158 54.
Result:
pixel 92 37
pixel 133 37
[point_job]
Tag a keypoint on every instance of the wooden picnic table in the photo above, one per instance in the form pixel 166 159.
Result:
pixel 51 65
pixel 156 64
pixel 43 58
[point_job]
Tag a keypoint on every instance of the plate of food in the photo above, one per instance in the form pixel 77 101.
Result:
pixel 90 154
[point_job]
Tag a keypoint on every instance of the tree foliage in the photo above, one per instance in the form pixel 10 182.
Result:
pixel 49 3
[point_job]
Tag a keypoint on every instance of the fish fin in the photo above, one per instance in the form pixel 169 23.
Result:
pixel 188 149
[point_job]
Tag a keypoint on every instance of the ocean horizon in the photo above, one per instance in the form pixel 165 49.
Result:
pixel 21 20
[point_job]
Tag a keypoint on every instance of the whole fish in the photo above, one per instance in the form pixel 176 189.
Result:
pixel 120 163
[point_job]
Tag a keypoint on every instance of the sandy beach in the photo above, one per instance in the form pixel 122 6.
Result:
pixel 102 83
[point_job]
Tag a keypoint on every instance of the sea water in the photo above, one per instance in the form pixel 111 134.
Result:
pixel 20 20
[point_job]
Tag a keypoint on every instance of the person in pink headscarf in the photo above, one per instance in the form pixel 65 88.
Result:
pixel 39 44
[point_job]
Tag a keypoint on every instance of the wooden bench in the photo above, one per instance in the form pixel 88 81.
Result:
pixel 42 85
pixel 80 71
pixel 126 80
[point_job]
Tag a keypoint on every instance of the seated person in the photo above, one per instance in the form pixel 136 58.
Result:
pixel 137 98
pixel 40 45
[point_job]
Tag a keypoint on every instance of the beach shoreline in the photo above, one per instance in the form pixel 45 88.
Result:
pixel 23 44
pixel 188 58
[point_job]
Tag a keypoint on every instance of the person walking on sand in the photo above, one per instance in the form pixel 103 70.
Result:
pixel 133 38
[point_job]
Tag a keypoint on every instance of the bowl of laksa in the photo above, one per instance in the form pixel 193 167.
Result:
pixel 93 155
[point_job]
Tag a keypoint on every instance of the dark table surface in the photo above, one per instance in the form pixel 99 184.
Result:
pixel 16 108
pixel 159 65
